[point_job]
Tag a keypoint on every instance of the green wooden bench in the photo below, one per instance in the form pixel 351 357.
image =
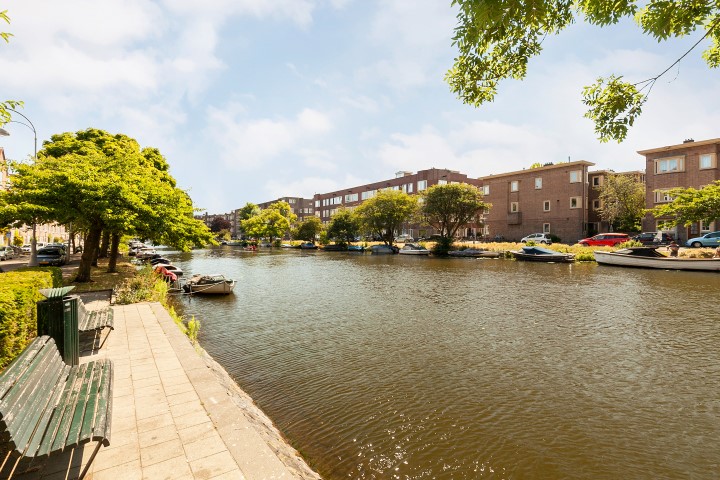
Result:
pixel 96 319
pixel 48 407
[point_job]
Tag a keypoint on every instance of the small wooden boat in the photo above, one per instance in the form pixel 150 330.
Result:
pixel 215 284
pixel 538 254
pixel 474 253
pixel 384 249
pixel 649 257
pixel 413 249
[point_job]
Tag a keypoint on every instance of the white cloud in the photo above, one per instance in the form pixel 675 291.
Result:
pixel 298 11
pixel 245 144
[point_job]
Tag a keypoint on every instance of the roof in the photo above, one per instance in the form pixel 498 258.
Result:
pixel 680 146
pixel 539 169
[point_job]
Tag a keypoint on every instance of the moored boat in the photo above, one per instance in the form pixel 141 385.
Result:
pixel 384 249
pixel 335 248
pixel 413 249
pixel 649 257
pixel 215 284
pixel 308 246
pixel 356 248
pixel 474 253
pixel 538 254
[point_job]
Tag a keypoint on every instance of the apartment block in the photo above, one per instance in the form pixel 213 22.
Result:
pixel 689 164
pixel 597 179
pixel 327 204
pixel 302 207
pixel 549 199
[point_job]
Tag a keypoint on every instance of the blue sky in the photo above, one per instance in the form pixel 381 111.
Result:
pixel 251 100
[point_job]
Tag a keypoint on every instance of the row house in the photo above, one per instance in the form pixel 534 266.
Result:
pixel 327 204
pixel 551 199
pixel 689 164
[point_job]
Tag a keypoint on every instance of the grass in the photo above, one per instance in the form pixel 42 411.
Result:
pixel 101 280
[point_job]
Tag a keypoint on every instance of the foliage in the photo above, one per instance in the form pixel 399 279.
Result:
pixel 385 213
pixel 308 229
pixel 271 222
pixel 103 182
pixel 344 226
pixel 449 207
pixel 19 293
pixel 193 327
pixel 140 288
pixel 691 205
pixel 248 211
pixel 496 41
pixel 219 223
pixel 17 241
pixel 622 200
pixel 629 244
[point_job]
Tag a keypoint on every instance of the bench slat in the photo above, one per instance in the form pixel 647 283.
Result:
pixel 104 407
pixel 68 401
pixel 96 410
pixel 86 402
pixel 18 366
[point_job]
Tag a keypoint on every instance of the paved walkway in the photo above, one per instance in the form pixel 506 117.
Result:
pixel 172 418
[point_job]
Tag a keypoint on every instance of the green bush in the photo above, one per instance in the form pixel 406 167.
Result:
pixel 55 273
pixel 19 293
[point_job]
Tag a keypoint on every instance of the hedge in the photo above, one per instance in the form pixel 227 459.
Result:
pixel 18 314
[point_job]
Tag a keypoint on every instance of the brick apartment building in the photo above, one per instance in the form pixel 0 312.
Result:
pixel 302 207
pixel 327 204
pixel 689 164
pixel 230 217
pixel 597 180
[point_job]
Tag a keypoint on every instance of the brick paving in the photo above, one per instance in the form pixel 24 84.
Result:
pixel 172 418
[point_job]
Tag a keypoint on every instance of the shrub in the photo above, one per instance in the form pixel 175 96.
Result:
pixel 630 243
pixel 145 286
pixel 19 293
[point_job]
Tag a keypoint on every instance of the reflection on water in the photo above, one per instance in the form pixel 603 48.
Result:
pixel 397 367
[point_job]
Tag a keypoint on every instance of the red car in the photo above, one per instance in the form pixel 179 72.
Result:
pixel 605 239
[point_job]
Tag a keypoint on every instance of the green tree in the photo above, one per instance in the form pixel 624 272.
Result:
pixel 245 213
pixel 622 202
pixel 308 229
pixel 271 223
pixel 344 226
pixel 8 105
pixel 497 39
pixel 690 205
pixel 385 213
pixel 449 207
pixel 102 182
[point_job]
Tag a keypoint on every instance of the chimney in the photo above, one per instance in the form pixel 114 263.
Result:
pixel 688 140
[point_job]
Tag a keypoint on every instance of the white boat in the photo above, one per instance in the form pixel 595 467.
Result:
pixel 215 284
pixel 414 249
pixel 649 257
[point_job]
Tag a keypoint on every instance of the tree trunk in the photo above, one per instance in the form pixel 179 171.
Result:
pixel 92 241
pixel 104 244
pixel 114 247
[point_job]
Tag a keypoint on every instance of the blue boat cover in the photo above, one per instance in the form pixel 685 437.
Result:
pixel 539 251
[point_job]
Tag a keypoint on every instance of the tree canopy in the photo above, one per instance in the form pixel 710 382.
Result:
pixel 102 182
pixel 385 213
pixel 270 223
pixel 219 223
pixel 622 202
pixel 308 229
pixel 690 205
pixel 449 207
pixel 344 226
pixel 497 39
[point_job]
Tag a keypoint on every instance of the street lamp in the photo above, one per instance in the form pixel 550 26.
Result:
pixel 33 243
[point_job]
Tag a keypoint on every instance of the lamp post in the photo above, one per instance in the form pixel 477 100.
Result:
pixel 33 243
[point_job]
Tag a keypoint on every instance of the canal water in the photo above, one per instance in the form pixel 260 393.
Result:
pixel 397 367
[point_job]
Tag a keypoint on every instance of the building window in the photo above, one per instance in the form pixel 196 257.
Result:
pixel 707 160
pixel 662 196
pixel 351 197
pixel 546 206
pixel 514 186
pixel 292 200
pixel 422 185
pixel 317 213
pixel 705 227
pixel 368 194
pixel 669 165
pixel 597 181
pixel 538 183
pixel 546 228
pixel 596 204
pixel 576 176
pixel 486 189
pixel 409 188
pixel 442 182
pixel 575 202
pixel 514 207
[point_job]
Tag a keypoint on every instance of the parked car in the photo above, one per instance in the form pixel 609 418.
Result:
pixel 7 253
pixel 654 238
pixel 537 238
pixel 54 256
pixel 404 238
pixel 605 239
pixel 711 239
pixel 26 248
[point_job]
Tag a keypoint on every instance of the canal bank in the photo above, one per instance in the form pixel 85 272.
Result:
pixel 176 413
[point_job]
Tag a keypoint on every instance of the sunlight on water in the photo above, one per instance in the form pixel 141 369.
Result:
pixel 396 367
